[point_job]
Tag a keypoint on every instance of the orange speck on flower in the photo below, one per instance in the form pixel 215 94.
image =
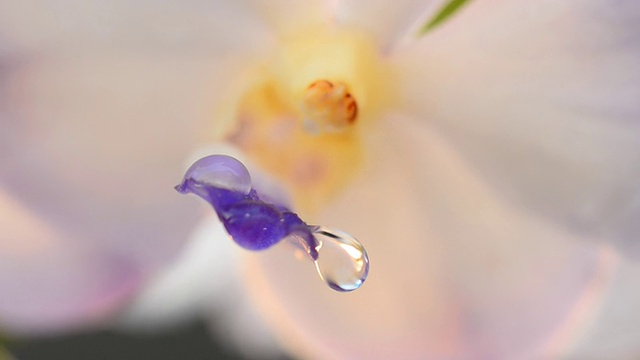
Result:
pixel 329 106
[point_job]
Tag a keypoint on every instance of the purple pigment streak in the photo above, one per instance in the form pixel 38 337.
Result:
pixel 252 223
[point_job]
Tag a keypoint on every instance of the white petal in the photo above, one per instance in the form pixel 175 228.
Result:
pixel 455 273
pixel 42 25
pixel 385 20
pixel 542 99
pixel 50 280
pixel 93 145
pixel 614 333
pixel 204 276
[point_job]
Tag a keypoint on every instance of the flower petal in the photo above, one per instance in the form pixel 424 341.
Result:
pixel 50 280
pixel 204 276
pixel 93 145
pixel 541 98
pixel 385 20
pixel 286 16
pixel 40 25
pixel 614 332
pixel 455 273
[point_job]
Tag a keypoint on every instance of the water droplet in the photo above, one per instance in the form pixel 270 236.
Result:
pixel 342 261
pixel 219 171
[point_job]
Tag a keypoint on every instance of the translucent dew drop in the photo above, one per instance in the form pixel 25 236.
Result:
pixel 342 261
pixel 220 171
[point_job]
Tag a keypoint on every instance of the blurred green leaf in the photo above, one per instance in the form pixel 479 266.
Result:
pixel 449 9
pixel 4 355
pixel 3 345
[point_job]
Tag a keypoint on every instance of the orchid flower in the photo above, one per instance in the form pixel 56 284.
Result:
pixel 489 166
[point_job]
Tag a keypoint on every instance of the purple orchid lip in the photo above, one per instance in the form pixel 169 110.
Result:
pixel 254 224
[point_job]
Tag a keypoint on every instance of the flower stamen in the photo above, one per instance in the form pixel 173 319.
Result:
pixel 328 106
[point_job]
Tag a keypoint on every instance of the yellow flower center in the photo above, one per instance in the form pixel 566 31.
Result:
pixel 299 116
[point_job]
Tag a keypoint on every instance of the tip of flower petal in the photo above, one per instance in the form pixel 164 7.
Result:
pixel 181 188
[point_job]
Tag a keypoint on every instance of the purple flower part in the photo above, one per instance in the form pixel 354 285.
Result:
pixel 252 223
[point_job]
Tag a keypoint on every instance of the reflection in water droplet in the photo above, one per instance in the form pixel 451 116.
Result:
pixel 342 261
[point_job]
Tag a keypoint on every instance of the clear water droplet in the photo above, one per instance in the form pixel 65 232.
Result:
pixel 342 261
pixel 220 171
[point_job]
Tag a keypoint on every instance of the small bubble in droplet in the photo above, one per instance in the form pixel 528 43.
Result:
pixel 342 261
pixel 220 171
